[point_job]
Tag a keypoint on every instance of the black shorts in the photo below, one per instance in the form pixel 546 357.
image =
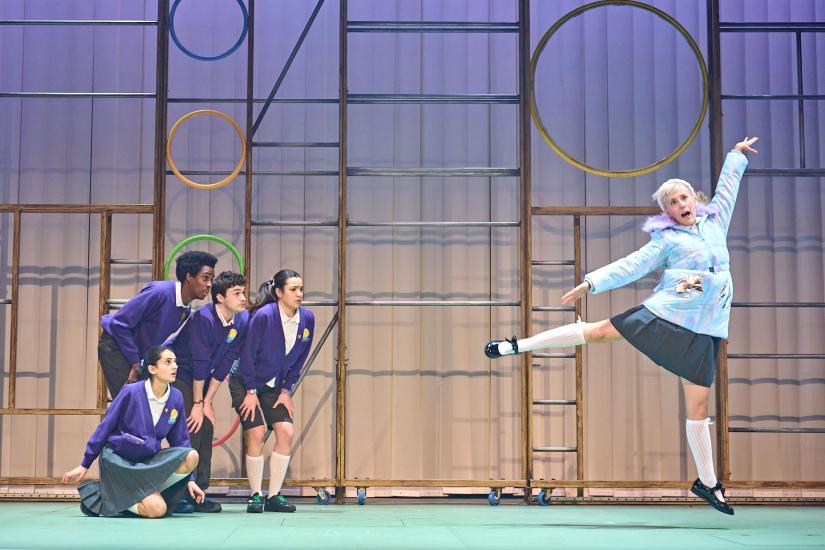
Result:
pixel 267 397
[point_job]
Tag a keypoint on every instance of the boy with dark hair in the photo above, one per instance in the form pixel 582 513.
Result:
pixel 151 318
pixel 206 348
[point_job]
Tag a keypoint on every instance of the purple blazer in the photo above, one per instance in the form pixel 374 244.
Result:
pixel 128 427
pixel 146 320
pixel 262 351
pixel 205 347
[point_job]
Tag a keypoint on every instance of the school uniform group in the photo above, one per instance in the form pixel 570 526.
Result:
pixel 163 363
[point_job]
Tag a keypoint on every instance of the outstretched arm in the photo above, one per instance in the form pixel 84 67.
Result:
pixel 622 272
pixel 727 188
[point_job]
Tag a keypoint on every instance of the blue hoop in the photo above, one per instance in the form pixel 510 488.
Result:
pixel 205 57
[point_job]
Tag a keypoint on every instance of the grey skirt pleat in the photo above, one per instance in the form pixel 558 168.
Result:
pixel 685 353
pixel 123 483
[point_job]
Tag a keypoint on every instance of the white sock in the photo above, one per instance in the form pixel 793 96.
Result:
pixel 255 473
pixel 698 436
pixel 561 337
pixel 171 480
pixel 278 464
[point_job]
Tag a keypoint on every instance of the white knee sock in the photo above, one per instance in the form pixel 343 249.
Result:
pixel 561 337
pixel 698 436
pixel 278 464
pixel 255 473
pixel 171 480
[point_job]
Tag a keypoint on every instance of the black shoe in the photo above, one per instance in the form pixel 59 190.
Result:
pixel 87 512
pixel 255 504
pixel 207 507
pixel 184 507
pixel 491 349
pixel 278 504
pixel 708 495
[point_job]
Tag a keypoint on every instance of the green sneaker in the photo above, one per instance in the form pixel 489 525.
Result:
pixel 255 504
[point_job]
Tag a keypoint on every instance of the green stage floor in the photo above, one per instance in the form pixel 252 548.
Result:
pixel 420 526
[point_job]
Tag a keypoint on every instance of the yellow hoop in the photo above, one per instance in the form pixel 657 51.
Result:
pixel 173 166
pixel 534 113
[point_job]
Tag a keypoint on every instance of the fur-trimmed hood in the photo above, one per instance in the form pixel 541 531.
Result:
pixel 663 220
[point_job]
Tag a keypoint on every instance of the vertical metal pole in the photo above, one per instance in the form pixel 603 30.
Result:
pixel 104 290
pixel 161 96
pixel 15 307
pixel 250 94
pixel 341 371
pixel 716 150
pixel 800 101
pixel 525 239
pixel 578 276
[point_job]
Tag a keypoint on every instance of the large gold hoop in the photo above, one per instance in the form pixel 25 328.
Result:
pixel 534 113
pixel 173 166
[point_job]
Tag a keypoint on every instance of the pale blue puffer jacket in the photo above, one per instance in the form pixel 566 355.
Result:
pixel 696 288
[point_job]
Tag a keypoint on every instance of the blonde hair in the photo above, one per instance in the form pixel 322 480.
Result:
pixel 671 185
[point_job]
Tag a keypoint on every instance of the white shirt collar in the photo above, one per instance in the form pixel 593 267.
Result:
pixel 295 319
pixel 151 395
pixel 178 297
pixel 224 322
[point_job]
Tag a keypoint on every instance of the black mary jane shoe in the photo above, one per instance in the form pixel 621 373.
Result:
pixel 708 494
pixel 491 349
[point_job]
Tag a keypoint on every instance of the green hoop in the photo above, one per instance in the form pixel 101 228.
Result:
pixel 194 238
pixel 545 135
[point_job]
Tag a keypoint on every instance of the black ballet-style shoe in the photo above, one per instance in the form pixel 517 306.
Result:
pixel 708 494
pixel 491 349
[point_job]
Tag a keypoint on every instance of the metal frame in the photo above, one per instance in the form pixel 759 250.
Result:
pixel 526 262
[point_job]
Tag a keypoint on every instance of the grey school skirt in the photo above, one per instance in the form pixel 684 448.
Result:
pixel 685 353
pixel 123 483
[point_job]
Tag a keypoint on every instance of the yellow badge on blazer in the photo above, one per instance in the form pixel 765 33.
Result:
pixel 305 335
pixel 173 416
pixel 230 336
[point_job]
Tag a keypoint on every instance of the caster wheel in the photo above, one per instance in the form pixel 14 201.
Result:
pixel 494 498
pixel 322 497
pixel 362 495
pixel 543 497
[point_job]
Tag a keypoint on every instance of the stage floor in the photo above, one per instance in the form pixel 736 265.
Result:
pixel 417 526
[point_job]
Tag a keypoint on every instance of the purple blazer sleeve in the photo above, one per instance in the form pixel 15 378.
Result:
pixel 249 350
pixel 127 318
pixel 295 371
pixel 200 346
pixel 232 354
pixel 105 428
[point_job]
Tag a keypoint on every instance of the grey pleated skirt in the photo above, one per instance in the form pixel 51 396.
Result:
pixel 123 483
pixel 685 353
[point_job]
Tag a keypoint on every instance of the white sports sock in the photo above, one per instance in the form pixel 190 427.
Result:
pixel 278 464
pixel 698 436
pixel 255 473
pixel 561 337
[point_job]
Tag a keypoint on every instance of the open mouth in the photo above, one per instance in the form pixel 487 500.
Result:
pixel 686 215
